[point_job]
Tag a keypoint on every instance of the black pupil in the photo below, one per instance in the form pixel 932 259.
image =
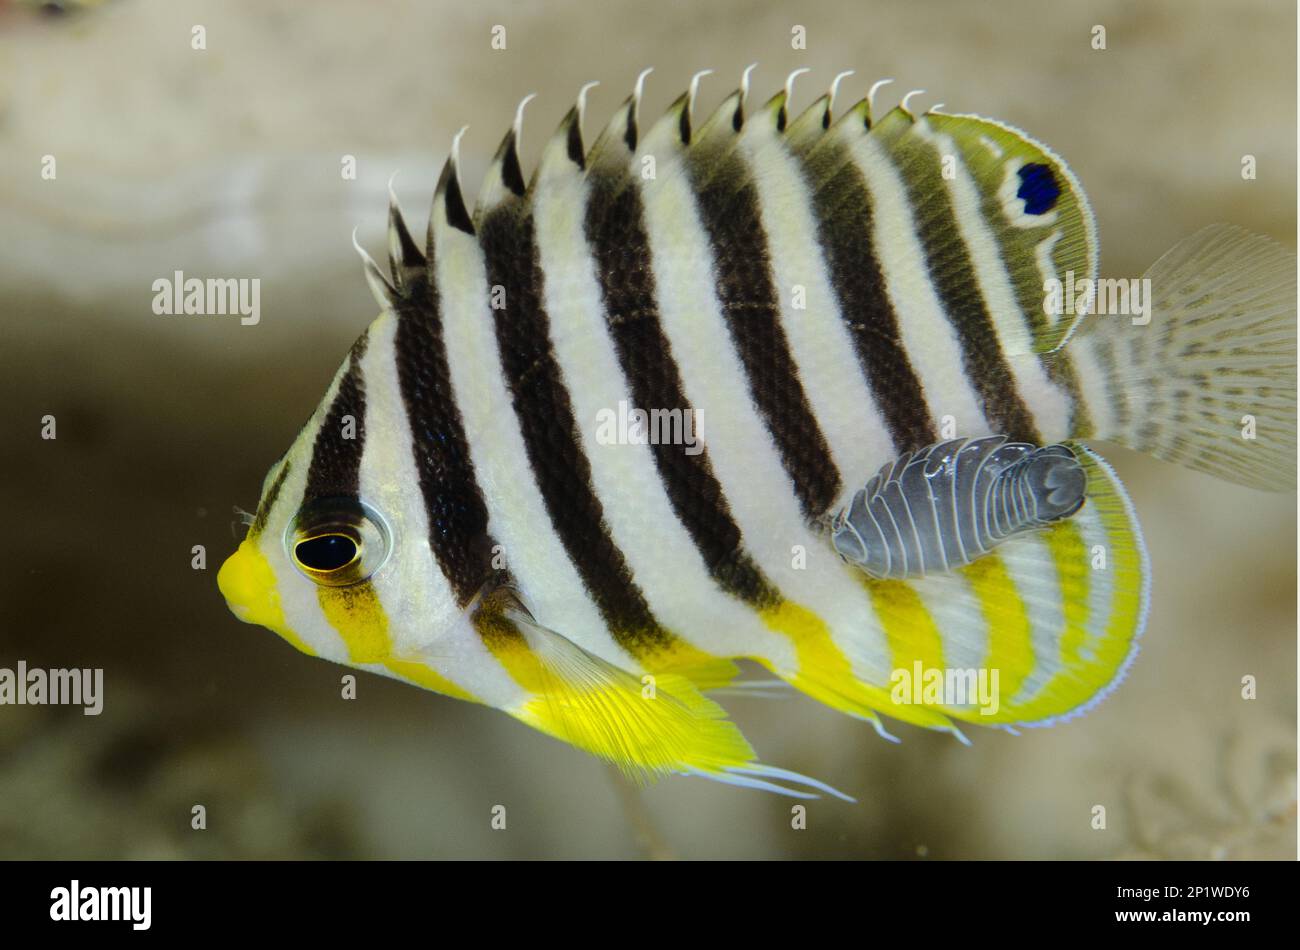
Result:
pixel 329 552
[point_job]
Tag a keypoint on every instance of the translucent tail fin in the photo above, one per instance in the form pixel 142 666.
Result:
pixel 1210 381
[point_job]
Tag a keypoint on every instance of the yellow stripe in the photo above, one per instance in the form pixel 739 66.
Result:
pixel 913 636
pixel 423 675
pixel 1111 634
pixel 1125 567
pixel 356 613
pixel 826 674
pixel 1011 649
pixel 1072 569
pixel 360 619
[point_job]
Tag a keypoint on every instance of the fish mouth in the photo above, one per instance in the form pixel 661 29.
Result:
pixel 248 583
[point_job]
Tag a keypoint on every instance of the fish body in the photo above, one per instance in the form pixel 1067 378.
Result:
pixel 597 443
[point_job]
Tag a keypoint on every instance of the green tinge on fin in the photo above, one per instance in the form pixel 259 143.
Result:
pixel 937 150
pixel 1035 248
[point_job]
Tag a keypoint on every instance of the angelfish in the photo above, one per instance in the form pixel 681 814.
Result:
pixel 830 299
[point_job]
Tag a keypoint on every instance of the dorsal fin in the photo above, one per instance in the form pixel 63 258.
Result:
pixel 618 142
pixel 1004 178
pixel 816 119
pixel 564 152
pixel 664 138
pixel 856 120
pixel 871 100
pixel 783 116
pixel 505 176
pixel 685 122
pixel 809 124
pixel 830 97
pixel 1013 190
pixel 738 119
pixel 904 104
pixel 385 294
pixel 777 109
pixel 449 209
pixel 719 130
pixel 405 259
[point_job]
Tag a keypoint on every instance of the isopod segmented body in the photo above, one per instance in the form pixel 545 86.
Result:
pixel 945 506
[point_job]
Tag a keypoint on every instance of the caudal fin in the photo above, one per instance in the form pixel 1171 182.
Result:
pixel 1210 381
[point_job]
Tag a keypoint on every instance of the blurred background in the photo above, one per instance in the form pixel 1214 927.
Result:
pixel 226 162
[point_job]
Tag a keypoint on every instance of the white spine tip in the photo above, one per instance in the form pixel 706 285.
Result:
pixel 640 83
pixel 380 288
pixel 519 115
pixel 365 255
pixel 871 93
pixel 695 82
pixel 392 195
pixel 693 91
pixel 903 105
pixel 744 81
pixel 455 145
pixel 835 84
pixel 582 98
pixel 789 80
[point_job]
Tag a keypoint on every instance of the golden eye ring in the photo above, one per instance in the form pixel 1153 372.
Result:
pixel 338 542
pixel 327 553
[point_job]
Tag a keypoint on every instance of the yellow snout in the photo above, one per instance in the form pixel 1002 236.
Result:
pixel 247 581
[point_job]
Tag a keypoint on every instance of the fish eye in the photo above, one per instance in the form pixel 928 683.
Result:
pixel 327 552
pixel 338 542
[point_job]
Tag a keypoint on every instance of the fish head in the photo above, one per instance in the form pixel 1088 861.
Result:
pixel 307 558
pixel 328 535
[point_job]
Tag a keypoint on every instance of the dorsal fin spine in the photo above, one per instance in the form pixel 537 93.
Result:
pixel 691 93
pixel 830 97
pixel 404 256
pixel 783 117
pixel 871 99
pixel 448 198
pixel 385 294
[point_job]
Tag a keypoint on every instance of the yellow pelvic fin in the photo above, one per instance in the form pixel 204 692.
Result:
pixel 647 725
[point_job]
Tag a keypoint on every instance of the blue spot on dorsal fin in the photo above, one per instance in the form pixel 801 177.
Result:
pixel 1038 188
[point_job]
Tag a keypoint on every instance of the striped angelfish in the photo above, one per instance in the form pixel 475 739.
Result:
pixel 791 388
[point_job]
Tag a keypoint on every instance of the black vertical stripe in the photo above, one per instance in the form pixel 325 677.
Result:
pixel 573 139
pixel 1060 370
pixel 335 468
pixel 953 275
pixel 844 215
pixel 616 232
pixel 453 501
pixel 728 203
pixel 268 502
pixel 551 433
pixel 512 175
